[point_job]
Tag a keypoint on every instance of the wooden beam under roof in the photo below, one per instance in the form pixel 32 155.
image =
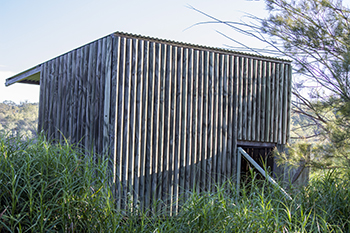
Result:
pixel 31 76
pixel 255 144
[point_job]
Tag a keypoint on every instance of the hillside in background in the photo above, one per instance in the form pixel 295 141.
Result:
pixel 19 119
pixel 22 119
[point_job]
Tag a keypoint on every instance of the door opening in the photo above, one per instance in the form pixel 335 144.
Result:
pixel 262 155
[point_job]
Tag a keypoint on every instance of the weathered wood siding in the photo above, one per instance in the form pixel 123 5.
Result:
pixel 76 90
pixel 169 113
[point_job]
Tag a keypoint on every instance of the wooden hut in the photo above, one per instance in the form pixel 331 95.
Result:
pixel 170 115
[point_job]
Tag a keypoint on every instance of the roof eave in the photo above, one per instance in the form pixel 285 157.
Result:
pixel 31 76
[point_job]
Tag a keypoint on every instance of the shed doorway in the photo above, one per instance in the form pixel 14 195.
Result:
pixel 261 154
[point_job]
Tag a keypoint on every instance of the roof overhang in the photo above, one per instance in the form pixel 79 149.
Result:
pixel 31 76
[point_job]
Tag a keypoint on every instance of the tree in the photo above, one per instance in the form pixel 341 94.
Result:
pixel 20 120
pixel 315 35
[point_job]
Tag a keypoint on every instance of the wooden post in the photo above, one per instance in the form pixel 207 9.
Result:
pixel 254 100
pixel 172 127
pixel 210 123
pixel 155 152
pixel 277 100
pixel 230 110
pixel 194 120
pixel 113 119
pixel 240 67
pixel 119 125
pixel 219 117
pixel 199 120
pixel 74 100
pixel 138 112
pixel 258 100
pixel 42 98
pixel 178 123
pixel 235 114
pixel 204 134
pixel 161 129
pixel 267 103
pixel 165 188
pixel 244 99
pixel 132 123
pixel 143 170
pixel 249 100
pixel 182 172
pixel 280 106
pixel 107 95
pixel 215 125
pixel 263 102
pixel 272 103
pixel 239 158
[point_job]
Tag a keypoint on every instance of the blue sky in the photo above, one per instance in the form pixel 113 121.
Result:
pixel 34 31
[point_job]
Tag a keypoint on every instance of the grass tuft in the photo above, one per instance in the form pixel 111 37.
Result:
pixel 56 188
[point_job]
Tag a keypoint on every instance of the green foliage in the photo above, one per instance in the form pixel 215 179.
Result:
pixel 328 196
pixel 52 188
pixel 303 128
pixel 19 119
pixel 316 35
pixel 330 148
pixel 55 188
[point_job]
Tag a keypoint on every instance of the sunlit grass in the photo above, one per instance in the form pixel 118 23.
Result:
pixel 48 187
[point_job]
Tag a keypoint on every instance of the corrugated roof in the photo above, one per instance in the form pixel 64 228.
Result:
pixel 195 46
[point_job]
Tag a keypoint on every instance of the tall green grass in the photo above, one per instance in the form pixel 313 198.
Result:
pixel 47 187
pixel 54 188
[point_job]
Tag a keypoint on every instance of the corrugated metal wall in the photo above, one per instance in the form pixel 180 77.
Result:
pixel 173 112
